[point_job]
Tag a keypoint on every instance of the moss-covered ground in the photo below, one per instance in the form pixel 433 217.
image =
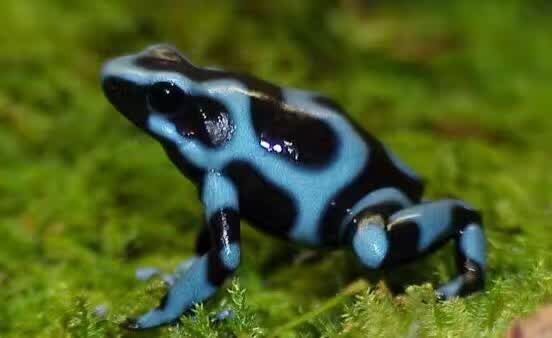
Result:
pixel 462 91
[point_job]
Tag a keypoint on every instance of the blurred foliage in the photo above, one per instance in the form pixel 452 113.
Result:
pixel 460 90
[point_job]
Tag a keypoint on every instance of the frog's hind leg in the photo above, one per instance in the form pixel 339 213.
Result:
pixel 419 229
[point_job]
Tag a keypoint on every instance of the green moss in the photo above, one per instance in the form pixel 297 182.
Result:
pixel 461 91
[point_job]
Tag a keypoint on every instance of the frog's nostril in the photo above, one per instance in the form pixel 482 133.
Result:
pixel 111 85
pixel 116 89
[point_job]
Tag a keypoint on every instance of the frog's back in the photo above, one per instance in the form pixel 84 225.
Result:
pixel 320 164
pixel 379 168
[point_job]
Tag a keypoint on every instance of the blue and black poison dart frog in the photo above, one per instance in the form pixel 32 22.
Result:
pixel 292 164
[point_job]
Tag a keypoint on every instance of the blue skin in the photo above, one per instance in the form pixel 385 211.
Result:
pixel 334 184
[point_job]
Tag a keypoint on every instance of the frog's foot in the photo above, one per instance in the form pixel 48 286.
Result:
pixel 192 287
pixel 457 287
pixel 419 229
pixel 196 285
pixel 144 274
pixel 470 248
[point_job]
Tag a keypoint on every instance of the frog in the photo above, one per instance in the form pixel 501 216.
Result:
pixel 289 162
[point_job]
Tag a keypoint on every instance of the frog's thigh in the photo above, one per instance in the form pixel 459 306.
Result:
pixel 419 229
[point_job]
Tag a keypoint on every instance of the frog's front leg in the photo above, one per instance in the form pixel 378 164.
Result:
pixel 207 272
pixel 416 230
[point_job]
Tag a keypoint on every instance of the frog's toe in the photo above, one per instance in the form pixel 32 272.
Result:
pixel 223 315
pixel 130 324
pixel 463 285
pixel 146 273
pixel 447 291
pixel 451 289
pixel 440 295
pixel 150 320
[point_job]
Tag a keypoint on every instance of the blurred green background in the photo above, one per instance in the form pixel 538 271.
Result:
pixel 460 90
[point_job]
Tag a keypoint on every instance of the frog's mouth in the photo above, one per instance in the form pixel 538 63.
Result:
pixel 127 97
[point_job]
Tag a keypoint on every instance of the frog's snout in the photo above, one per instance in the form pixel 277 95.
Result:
pixel 125 95
pixel 116 90
pixel 114 86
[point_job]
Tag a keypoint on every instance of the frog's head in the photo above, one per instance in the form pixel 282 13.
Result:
pixel 161 92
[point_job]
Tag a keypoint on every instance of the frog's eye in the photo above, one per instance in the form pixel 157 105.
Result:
pixel 165 97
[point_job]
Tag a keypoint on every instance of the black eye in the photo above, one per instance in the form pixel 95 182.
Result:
pixel 165 97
